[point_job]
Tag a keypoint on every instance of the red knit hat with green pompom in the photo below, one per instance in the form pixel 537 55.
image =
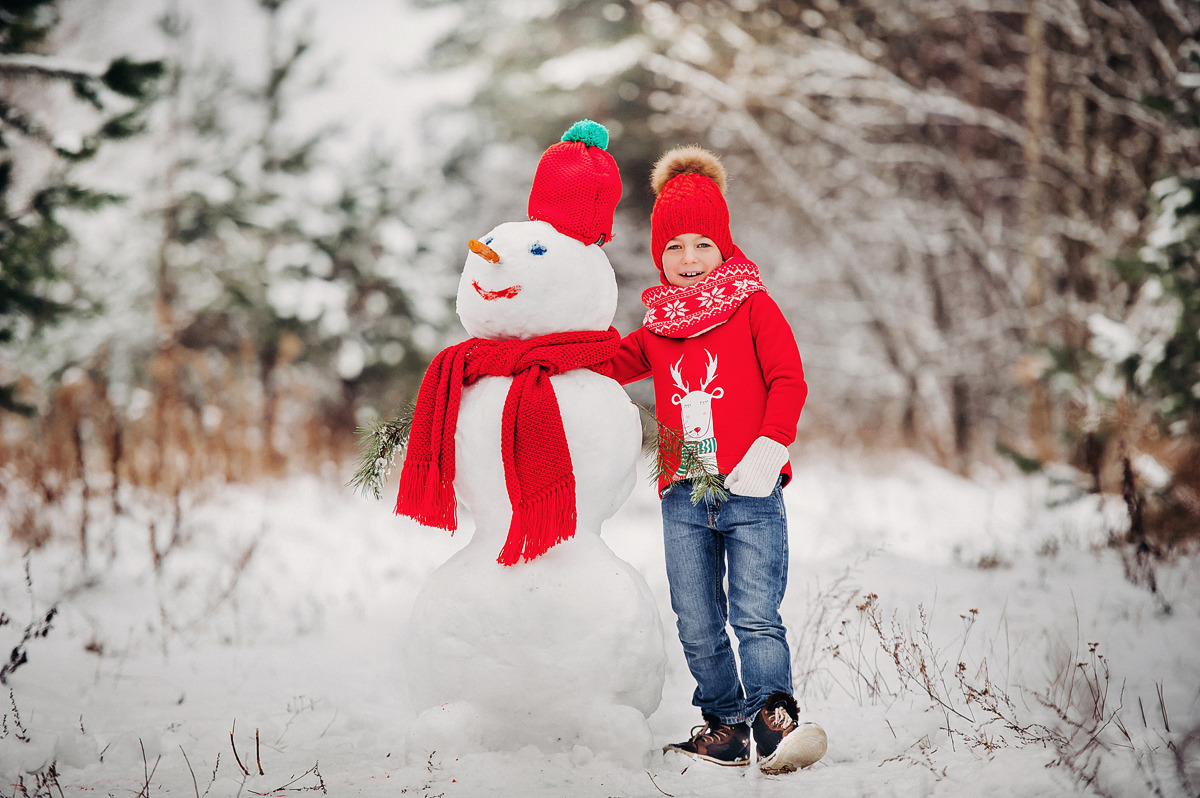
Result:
pixel 577 185
pixel 689 184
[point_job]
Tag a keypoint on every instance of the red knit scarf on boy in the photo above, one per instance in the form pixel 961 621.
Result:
pixel 537 463
pixel 684 312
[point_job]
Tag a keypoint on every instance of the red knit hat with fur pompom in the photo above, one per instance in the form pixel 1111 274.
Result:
pixel 689 184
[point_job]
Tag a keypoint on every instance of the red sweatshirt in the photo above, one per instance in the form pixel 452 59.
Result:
pixel 733 383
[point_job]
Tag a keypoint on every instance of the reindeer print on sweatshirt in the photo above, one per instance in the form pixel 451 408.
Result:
pixel 696 415
pixel 723 387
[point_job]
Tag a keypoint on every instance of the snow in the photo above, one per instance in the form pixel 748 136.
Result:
pixel 591 65
pixel 1150 322
pixel 269 625
pixel 1111 340
pixel 559 284
pixel 280 611
pixel 1168 228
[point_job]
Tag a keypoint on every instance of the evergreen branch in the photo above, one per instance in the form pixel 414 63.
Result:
pixel 48 66
pixel 673 455
pixel 379 444
pixel 133 79
pixel 25 124
pixel 382 441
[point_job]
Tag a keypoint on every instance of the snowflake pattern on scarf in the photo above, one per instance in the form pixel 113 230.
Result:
pixel 709 298
pixel 684 312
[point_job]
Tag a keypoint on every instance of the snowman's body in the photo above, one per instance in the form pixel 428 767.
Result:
pixel 565 649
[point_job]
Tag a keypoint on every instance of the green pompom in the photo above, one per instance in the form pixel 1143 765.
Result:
pixel 591 134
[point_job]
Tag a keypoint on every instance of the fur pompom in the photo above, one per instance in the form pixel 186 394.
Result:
pixel 689 160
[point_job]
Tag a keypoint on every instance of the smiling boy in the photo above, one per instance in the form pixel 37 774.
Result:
pixel 728 375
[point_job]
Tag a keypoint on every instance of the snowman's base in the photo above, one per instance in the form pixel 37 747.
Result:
pixel 804 746
pixel 454 728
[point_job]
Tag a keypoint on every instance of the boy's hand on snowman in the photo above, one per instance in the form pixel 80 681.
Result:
pixel 756 472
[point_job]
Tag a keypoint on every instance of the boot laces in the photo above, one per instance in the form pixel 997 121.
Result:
pixel 708 732
pixel 781 718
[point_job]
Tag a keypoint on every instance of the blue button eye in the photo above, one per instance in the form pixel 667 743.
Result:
pixel 488 241
pixel 537 249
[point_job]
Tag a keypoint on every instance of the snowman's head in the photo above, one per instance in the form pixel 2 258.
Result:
pixel 525 279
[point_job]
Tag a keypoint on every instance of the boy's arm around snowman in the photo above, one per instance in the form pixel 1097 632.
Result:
pixel 630 364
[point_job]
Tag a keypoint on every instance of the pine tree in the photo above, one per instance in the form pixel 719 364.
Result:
pixel 316 271
pixel 1172 256
pixel 34 291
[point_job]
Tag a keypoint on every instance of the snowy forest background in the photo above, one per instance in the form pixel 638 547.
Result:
pixel 231 231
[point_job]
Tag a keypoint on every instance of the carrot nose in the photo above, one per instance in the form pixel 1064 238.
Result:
pixel 484 251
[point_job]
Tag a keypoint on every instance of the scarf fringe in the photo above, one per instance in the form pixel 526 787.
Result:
pixel 425 497
pixel 540 524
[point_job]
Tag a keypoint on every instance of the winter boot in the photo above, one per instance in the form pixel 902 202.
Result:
pixel 783 743
pixel 717 742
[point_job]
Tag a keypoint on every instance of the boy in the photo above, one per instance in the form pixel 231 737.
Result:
pixel 728 376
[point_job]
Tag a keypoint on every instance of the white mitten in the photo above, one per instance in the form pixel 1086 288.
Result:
pixel 756 472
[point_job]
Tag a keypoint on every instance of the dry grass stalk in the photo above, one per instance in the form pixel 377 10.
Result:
pixel 200 419
pixel 38 627
pixel 1082 724
pixel 313 771
pixel 233 744
pixel 826 611
pixel 147 772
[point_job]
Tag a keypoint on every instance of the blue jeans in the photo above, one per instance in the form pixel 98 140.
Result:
pixel 745 537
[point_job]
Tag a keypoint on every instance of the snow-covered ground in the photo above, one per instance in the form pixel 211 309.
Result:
pixel 271 633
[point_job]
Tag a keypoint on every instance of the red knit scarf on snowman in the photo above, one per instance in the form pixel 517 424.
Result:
pixel 684 312
pixel 537 463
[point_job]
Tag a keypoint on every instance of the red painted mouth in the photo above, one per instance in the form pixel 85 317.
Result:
pixel 503 293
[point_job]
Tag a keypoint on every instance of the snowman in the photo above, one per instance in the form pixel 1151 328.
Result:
pixel 535 632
